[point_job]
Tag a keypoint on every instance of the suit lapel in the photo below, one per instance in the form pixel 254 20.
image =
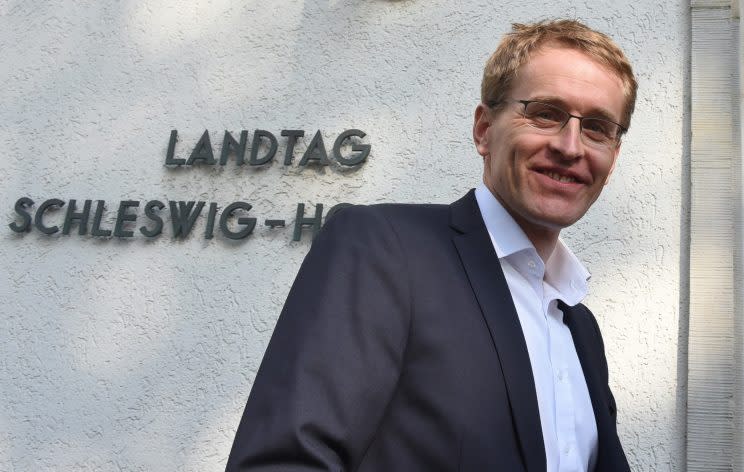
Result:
pixel 489 285
pixel 583 333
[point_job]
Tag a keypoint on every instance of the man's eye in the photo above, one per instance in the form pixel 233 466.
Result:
pixel 599 130
pixel 546 115
pixel 596 126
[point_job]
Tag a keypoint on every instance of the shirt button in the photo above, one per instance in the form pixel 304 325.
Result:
pixel 560 375
pixel 531 264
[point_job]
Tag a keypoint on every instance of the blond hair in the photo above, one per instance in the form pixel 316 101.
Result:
pixel 524 40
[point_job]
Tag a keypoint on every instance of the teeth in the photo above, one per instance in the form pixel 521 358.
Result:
pixel 560 178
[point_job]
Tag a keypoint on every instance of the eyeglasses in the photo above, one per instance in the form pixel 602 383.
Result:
pixel 550 119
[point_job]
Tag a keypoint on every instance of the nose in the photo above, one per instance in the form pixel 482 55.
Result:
pixel 568 140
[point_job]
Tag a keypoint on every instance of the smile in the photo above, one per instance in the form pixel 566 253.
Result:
pixel 559 177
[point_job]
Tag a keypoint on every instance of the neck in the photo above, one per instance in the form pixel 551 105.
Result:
pixel 543 239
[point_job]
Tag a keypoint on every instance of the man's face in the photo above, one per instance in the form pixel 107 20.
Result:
pixel 548 182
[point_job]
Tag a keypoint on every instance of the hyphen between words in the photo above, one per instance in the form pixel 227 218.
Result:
pixel 183 215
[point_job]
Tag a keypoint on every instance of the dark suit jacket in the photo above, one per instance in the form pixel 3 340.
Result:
pixel 399 349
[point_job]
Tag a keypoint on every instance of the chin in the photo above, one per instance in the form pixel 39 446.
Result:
pixel 554 224
pixel 554 220
pixel 558 218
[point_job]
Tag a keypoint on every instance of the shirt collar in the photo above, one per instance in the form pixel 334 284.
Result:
pixel 506 235
pixel 563 270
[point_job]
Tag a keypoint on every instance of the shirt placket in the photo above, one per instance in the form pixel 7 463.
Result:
pixel 565 411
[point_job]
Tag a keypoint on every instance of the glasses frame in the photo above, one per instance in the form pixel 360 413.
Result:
pixel 613 144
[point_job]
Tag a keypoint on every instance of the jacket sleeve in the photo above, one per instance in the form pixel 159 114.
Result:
pixel 335 356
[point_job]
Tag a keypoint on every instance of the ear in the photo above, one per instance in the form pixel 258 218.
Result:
pixel 481 123
pixel 615 155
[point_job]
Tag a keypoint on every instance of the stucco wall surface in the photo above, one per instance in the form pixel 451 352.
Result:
pixel 138 354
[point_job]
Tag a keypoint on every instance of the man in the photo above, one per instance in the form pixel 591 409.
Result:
pixel 452 338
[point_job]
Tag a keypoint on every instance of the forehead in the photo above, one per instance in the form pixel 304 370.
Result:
pixel 571 77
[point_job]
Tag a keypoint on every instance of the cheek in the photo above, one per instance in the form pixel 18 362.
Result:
pixel 527 144
pixel 601 170
pixel 510 153
pixel 523 153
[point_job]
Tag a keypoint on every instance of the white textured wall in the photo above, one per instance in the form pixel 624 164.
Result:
pixel 139 354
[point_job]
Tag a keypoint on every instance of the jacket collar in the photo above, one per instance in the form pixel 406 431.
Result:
pixel 590 349
pixel 484 273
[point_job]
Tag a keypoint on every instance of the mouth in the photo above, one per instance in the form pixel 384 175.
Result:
pixel 562 177
pixel 566 179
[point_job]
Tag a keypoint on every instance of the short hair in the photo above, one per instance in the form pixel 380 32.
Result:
pixel 524 40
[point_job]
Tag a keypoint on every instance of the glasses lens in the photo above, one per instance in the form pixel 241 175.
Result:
pixel 600 131
pixel 544 116
pixel 597 132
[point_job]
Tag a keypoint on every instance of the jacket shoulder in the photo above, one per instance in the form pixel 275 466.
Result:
pixel 396 215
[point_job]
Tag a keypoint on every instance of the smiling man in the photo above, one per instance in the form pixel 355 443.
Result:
pixel 452 338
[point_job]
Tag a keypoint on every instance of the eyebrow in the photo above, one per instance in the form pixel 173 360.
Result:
pixel 594 113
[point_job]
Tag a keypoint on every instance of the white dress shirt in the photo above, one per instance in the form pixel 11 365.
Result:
pixel 566 415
